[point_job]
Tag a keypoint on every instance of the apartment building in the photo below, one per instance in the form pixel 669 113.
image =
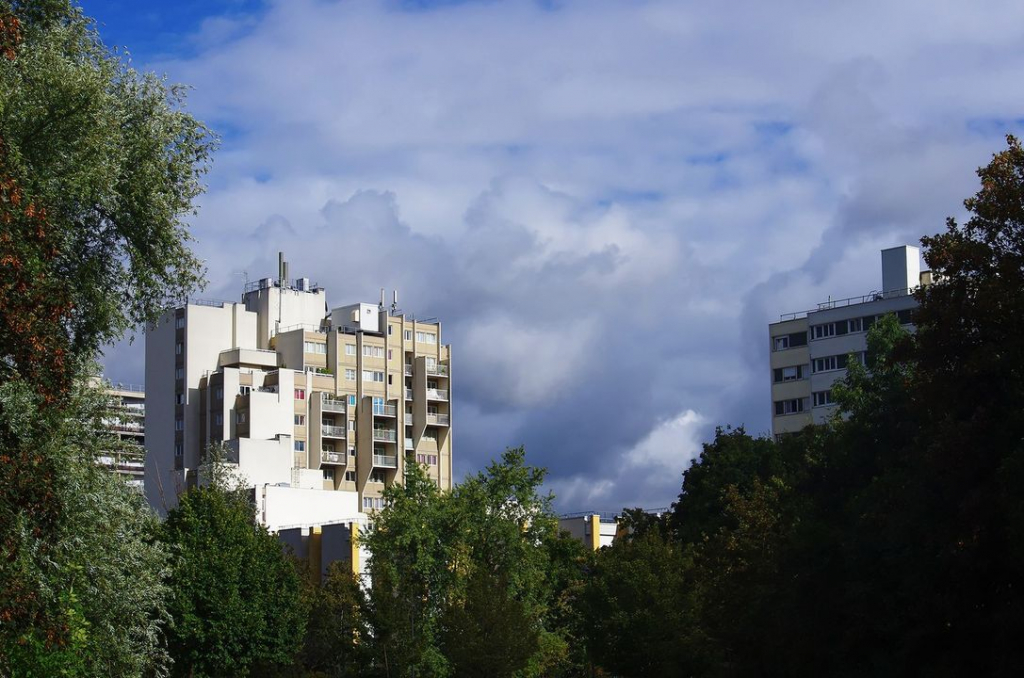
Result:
pixel 319 408
pixel 126 419
pixel 810 350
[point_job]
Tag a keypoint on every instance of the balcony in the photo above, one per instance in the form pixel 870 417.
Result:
pixel 438 419
pixel 408 394
pixel 385 435
pixel 385 410
pixel 332 405
pixel 437 370
pixel 338 458
pixel 437 394
pixel 332 431
pixel 409 445
pixel 385 460
pixel 408 370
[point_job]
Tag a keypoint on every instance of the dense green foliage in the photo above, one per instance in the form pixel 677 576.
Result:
pixel 99 165
pixel 235 597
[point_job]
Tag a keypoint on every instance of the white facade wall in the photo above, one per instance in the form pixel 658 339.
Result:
pixel 280 507
pixel 161 482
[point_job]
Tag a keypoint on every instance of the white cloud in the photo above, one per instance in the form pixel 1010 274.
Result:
pixel 605 203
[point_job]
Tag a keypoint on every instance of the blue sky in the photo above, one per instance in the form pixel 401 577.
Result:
pixel 605 201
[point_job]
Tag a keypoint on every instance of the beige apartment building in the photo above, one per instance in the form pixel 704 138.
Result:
pixel 810 350
pixel 320 408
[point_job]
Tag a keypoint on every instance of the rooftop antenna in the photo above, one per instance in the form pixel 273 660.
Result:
pixel 381 305
pixel 394 303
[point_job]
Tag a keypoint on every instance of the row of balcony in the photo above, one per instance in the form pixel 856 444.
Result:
pixel 436 370
pixel 432 394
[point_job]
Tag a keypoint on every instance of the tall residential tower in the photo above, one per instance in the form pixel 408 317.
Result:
pixel 319 408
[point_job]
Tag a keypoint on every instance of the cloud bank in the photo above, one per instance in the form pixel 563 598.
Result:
pixel 604 201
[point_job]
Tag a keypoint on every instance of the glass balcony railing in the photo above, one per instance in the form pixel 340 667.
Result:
pixel 332 431
pixel 385 460
pixel 385 435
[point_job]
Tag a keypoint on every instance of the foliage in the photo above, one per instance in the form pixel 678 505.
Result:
pixel 99 165
pixel 235 596
pixel 446 568
pixel 83 581
pixel 336 631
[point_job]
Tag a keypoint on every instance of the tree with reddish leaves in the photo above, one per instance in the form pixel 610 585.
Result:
pixel 99 168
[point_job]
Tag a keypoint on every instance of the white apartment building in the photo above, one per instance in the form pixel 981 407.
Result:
pixel 810 349
pixel 320 408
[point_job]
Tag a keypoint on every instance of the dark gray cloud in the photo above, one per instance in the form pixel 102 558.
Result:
pixel 605 204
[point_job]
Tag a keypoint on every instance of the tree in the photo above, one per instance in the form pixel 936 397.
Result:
pixel 99 167
pixel 235 599
pixel 88 592
pixel 337 630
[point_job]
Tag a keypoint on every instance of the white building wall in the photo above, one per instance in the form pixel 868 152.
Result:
pixel 280 507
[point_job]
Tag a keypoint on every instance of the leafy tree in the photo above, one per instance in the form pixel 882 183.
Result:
pixel 235 599
pixel 337 629
pixel 99 166
pixel 89 590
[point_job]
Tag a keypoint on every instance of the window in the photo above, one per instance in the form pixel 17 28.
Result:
pixel 855 325
pixel 352 401
pixel 430 434
pixel 431 409
pixel 300 445
pixel 351 451
pixel 429 459
pixel 373 502
pixel 390 332
pixel 352 424
pixel 300 420
pixel 378 405
pixel 350 476
pixel 179 424
pixel 329 474
pixel 824 331
pixel 373 351
pixel 179 348
pixel 300 394
pixel 789 373
pixel 179 398
pixel 219 393
pixel 390 380
pixel 179 450
pixel 314 347
pixel 240 417
pixel 179 323
pixel 829 363
pixel 179 373
pixel 389 354
pixel 906 316
pixel 350 349
pixel 822 398
pixel 408 335
pixel 792 406
pixel 244 390
pixel 218 419
pixel 377 477
pixel 327 447
pixel 373 375
pixel 350 375
pixel 426 337
pixel 781 343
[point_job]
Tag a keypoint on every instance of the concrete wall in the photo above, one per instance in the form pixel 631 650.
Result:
pixel 286 506
pixel 161 481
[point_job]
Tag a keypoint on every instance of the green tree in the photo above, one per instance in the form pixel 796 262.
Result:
pixel 235 596
pixel 337 629
pixel 99 166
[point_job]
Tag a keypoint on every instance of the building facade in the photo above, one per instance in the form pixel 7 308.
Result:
pixel 126 419
pixel 319 409
pixel 810 350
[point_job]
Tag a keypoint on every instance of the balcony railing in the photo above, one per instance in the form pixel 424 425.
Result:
pixel 408 370
pixel 333 458
pixel 332 431
pixel 385 460
pixel 437 370
pixel 409 445
pixel 385 410
pixel 332 405
pixel 437 394
pixel 385 434
pixel 438 419
pixel 408 394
